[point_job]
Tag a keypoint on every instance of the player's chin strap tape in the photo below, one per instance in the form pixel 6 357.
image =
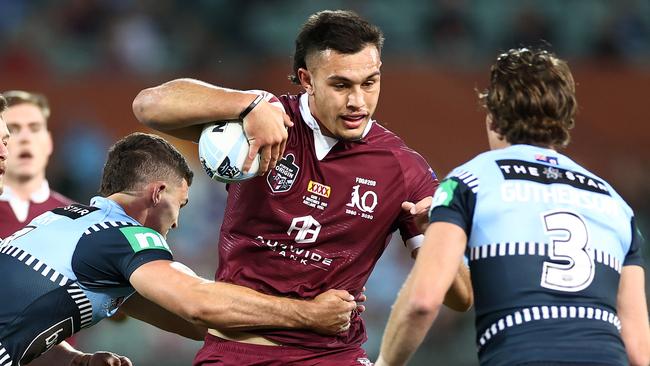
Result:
pixel 250 107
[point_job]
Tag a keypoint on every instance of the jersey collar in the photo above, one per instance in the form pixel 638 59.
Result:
pixel 322 143
pixel 39 196
pixel 106 203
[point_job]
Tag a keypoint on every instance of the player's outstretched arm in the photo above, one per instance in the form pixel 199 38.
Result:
pixel 142 309
pixel 419 301
pixel 64 354
pixel 633 313
pixel 460 296
pixel 225 306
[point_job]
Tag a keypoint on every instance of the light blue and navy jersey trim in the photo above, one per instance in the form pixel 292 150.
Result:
pixel 35 264
pixel 5 360
pixel 547 241
pixel 538 249
pixel 67 270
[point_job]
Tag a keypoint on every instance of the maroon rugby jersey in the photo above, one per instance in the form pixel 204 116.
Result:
pixel 16 213
pixel 311 225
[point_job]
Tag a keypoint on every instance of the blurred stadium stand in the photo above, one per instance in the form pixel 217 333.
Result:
pixel 91 57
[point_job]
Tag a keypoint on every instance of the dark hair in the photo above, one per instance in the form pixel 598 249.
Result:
pixel 15 97
pixel 3 103
pixel 531 98
pixel 340 30
pixel 140 158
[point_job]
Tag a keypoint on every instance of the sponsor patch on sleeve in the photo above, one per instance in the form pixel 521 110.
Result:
pixel 144 238
pixel 445 193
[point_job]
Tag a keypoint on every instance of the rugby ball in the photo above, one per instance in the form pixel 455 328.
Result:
pixel 223 148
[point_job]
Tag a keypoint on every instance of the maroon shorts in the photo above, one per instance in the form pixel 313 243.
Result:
pixel 218 351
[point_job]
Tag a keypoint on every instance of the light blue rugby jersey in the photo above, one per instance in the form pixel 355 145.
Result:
pixel 66 270
pixel 547 240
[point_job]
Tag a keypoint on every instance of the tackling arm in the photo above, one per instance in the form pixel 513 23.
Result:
pixel 633 313
pixel 142 309
pixel 225 306
pixel 419 301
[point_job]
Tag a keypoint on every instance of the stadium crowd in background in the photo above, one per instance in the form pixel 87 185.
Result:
pixel 373 185
pixel 554 251
pixel 150 38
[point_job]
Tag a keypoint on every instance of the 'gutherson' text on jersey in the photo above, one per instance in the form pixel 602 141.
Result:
pixel 547 242
pixel 66 270
pixel 322 218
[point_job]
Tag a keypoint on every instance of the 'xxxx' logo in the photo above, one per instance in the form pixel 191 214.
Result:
pixel 319 189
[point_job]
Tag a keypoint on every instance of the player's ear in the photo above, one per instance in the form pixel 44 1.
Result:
pixel 489 126
pixel 157 191
pixel 304 76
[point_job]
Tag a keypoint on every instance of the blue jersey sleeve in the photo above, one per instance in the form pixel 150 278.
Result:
pixel 634 256
pixel 109 256
pixel 454 203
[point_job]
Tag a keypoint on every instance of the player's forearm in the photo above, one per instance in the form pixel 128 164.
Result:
pixel 182 103
pixel 142 309
pixel 407 326
pixel 633 314
pixel 419 302
pixel 460 296
pixel 230 307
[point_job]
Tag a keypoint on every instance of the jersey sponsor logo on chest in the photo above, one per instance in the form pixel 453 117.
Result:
pixel 318 193
pixel 319 189
pixel 363 199
pixel 304 230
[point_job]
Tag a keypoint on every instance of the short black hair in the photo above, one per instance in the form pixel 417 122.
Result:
pixel 340 30
pixel 141 158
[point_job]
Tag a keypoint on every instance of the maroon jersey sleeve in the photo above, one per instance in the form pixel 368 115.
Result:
pixel 420 182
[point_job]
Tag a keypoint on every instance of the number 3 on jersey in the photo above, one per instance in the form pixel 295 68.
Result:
pixel 569 243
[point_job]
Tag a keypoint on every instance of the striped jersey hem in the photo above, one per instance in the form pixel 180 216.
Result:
pixel 36 264
pixel 539 313
pixel 5 360
pixel 535 248
pixel 106 225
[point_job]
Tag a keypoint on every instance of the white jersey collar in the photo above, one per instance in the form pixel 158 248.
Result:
pixel 322 143
pixel 39 196
pixel 19 206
